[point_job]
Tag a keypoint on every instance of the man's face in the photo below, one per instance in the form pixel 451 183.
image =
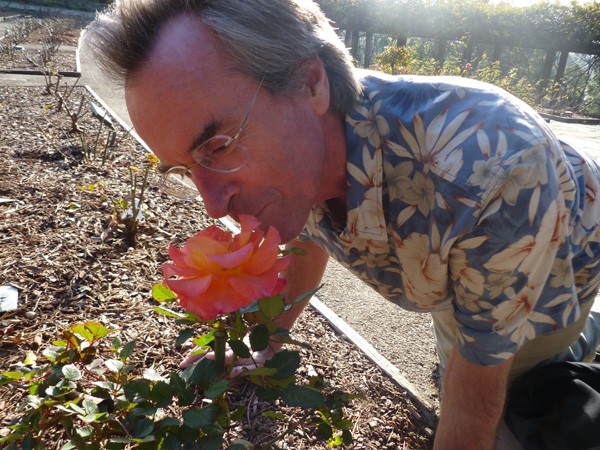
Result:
pixel 189 90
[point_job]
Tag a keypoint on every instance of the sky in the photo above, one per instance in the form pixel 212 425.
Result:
pixel 531 2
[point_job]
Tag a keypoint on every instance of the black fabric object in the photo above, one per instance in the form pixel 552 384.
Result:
pixel 556 406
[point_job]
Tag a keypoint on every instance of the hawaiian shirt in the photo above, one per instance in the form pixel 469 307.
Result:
pixel 459 196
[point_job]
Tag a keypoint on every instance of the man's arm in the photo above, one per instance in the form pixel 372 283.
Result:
pixel 473 400
pixel 303 274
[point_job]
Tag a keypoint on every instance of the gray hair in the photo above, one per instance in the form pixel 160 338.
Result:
pixel 266 39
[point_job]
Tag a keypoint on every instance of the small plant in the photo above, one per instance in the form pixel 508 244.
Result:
pixel 15 35
pixel 75 113
pixel 109 142
pixel 130 209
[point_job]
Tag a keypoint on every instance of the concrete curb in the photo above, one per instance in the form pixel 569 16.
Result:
pixel 47 10
pixel 64 73
pixel 570 119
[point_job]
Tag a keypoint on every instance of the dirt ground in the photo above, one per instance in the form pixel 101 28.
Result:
pixel 64 250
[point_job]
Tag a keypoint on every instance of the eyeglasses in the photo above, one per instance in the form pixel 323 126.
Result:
pixel 221 153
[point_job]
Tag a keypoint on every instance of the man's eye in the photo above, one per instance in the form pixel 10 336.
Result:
pixel 216 150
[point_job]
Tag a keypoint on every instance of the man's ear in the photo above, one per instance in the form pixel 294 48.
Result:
pixel 317 85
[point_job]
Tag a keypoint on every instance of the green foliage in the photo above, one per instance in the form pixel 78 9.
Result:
pixel 87 395
pixel 404 60
pixel 524 43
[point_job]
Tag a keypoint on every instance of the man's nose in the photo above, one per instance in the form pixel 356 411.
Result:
pixel 216 191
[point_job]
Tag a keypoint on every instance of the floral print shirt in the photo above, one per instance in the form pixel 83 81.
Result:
pixel 460 197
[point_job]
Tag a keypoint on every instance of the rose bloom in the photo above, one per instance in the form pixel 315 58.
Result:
pixel 216 272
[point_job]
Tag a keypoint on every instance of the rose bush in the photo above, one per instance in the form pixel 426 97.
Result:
pixel 216 273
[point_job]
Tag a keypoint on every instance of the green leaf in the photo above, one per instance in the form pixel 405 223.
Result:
pixel 260 371
pixel 142 427
pixel 97 330
pixel 240 348
pixel 161 394
pixel 305 296
pixel 347 437
pixel 162 293
pixel 335 441
pixel 184 393
pixel 166 422
pixel 89 407
pixel 198 418
pixel 204 373
pixel 275 415
pixel 184 335
pixel 302 396
pixel 217 389
pixel 108 385
pixel 259 338
pixel 137 390
pixel 114 365
pixel 168 312
pixel 211 442
pixel 152 375
pixel 251 308
pixel 238 414
pixel 10 376
pixel 271 307
pixel 169 442
pixel 127 350
pixel 267 394
pixel 30 359
pixel 90 331
pixel 286 362
pixel 144 408
pixel 343 424
pixel 71 372
pixel 324 431
pixel 85 431
pixel 241 444
pixel 121 440
pixel 206 339
pixel 294 251
pixel 71 340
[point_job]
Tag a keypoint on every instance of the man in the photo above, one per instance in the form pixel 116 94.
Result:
pixel 446 195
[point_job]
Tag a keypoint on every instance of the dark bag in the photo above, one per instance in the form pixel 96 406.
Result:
pixel 556 407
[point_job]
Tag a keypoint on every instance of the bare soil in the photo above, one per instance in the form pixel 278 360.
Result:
pixel 63 248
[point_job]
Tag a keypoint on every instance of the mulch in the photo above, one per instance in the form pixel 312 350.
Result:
pixel 63 247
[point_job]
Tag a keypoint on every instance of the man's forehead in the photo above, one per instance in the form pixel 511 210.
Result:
pixel 185 42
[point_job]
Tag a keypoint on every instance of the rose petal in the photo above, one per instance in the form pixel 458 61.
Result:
pixel 219 298
pixel 232 260
pixel 216 234
pixel 250 231
pixel 170 270
pixel 266 254
pixel 190 287
pixel 255 286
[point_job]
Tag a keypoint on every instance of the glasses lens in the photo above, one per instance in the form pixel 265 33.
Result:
pixel 221 154
pixel 178 183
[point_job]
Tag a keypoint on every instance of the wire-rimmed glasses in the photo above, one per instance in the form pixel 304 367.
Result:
pixel 220 153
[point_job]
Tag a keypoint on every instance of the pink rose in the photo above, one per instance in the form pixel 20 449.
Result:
pixel 216 272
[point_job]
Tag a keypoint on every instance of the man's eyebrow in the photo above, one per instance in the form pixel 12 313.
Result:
pixel 209 130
